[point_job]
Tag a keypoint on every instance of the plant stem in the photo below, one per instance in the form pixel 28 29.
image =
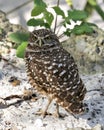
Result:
pixel 58 2
pixel 100 11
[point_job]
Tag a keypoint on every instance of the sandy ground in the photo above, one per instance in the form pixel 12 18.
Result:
pixel 22 116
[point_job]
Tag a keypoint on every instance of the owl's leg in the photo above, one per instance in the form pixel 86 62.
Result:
pixel 57 114
pixel 47 106
pixel 44 112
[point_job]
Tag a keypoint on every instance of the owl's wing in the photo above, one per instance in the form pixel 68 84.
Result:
pixel 57 70
pixel 57 74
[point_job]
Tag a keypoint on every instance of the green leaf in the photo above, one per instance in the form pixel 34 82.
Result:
pixel 59 11
pixel 46 25
pixel 18 37
pixel 21 50
pixel 87 28
pixel 37 10
pixel 39 7
pixel 77 15
pixel 99 11
pixel 81 29
pixel 91 24
pixel 67 32
pixel 1 30
pixel 40 3
pixel 93 5
pixel 37 22
pixel 88 8
pixel 92 2
pixel 67 20
pixel 48 17
pixel 78 30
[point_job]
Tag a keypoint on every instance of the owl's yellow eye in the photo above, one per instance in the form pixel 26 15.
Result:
pixel 34 38
pixel 47 38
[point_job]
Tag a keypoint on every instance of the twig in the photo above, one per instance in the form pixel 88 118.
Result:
pixel 93 90
pixel 61 35
pixel 56 17
pixel 12 96
pixel 6 60
pixel 58 29
pixel 14 103
pixel 64 40
pixel 21 98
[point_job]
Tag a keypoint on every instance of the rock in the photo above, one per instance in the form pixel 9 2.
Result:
pixel 3 103
pixel 1 75
pixel 2 16
pixel 38 123
pixel 1 113
pixel 6 28
pixel 88 51
pixel 97 127
pixel 77 128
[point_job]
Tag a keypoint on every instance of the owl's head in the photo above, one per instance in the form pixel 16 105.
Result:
pixel 43 38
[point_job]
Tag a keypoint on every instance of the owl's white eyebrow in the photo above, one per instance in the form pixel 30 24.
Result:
pixel 41 37
pixel 30 50
pixel 34 34
pixel 31 43
pixel 48 35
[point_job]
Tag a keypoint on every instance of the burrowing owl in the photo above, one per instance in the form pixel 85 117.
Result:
pixel 53 72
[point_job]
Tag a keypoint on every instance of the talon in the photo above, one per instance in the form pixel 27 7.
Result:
pixel 60 115
pixel 42 113
pixel 57 114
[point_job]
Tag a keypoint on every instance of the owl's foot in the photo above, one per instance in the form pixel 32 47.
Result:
pixel 42 113
pixel 57 114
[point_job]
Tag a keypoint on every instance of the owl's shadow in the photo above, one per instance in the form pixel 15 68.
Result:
pixel 94 104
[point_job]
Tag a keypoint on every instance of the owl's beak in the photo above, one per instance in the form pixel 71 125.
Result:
pixel 40 42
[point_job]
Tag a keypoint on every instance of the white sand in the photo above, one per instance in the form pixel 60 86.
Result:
pixel 23 116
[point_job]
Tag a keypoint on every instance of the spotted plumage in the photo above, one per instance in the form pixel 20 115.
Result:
pixel 53 72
